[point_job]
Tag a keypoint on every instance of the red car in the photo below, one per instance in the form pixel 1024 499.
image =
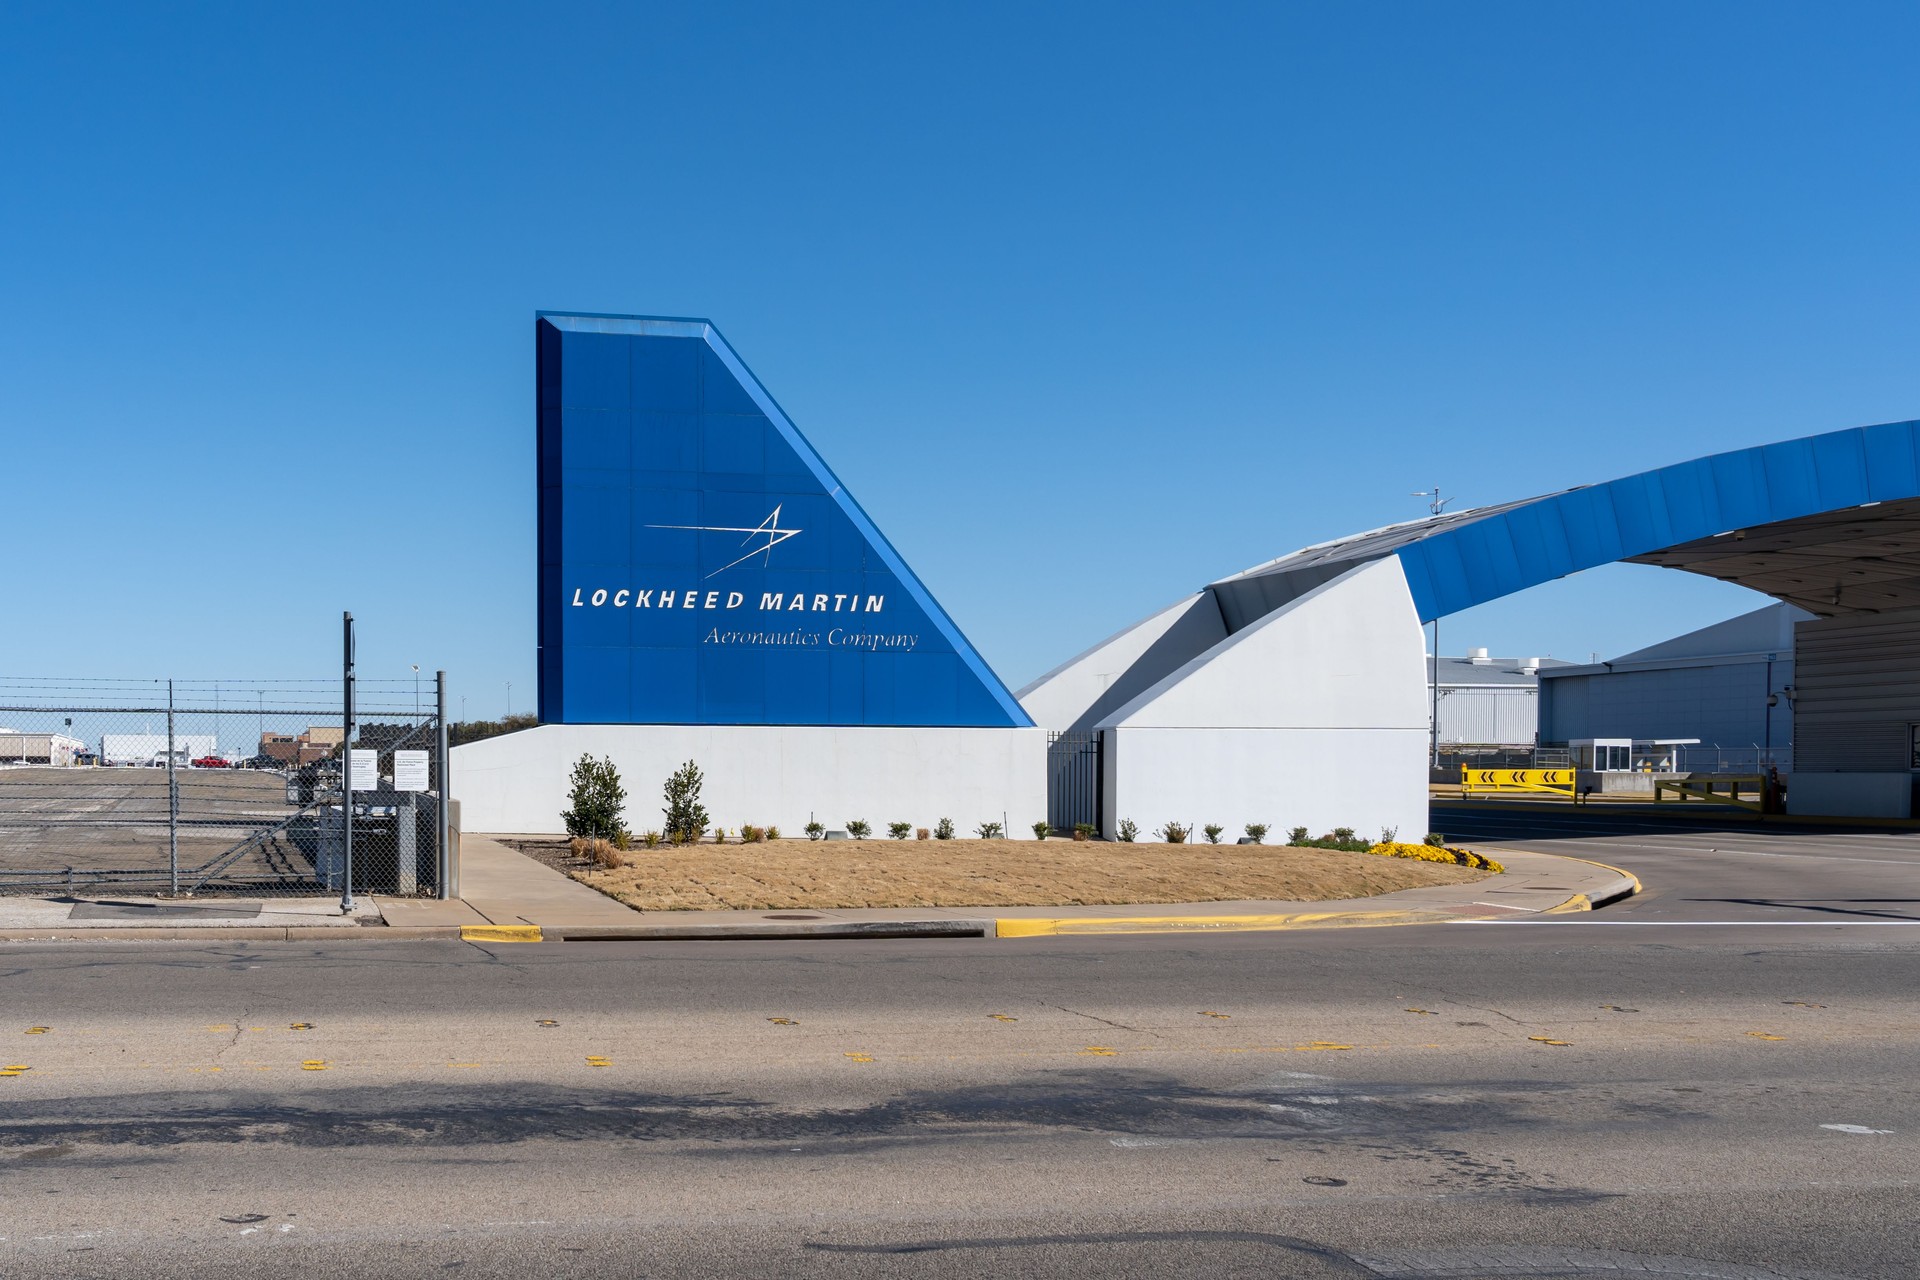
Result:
pixel 209 762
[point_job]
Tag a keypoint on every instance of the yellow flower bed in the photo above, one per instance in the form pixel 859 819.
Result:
pixel 1432 853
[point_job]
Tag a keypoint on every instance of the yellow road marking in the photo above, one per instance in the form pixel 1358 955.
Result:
pixel 1429 1012
pixel 499 933
pixel 314 1064
pixel 1208 1013
pixel 1099 1051
pixel 597 1060
pixel 859 1057
pixel 1001 1017
pixel 1325 1044
pixel 1020 927
pixel 1549 1040
pixel 36 1031
pixel 1761 1035
pixel 299 1026
pixel 783 1022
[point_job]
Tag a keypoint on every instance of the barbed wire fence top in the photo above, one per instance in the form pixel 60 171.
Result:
pixel 216 786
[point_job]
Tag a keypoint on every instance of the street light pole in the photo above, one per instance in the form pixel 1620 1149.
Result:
pixel 1436 505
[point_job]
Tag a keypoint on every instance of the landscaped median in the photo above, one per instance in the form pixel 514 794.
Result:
pixel 786 875
pixel 881 889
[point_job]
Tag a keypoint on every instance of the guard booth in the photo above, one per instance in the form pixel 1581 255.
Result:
pixel 1613 766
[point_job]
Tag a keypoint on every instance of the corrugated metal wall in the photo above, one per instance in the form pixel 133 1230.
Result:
pixel 1858 687
pixel 1487 715
pixel 1723 705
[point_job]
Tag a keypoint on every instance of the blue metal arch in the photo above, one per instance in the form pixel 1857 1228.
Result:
pixel 1473 561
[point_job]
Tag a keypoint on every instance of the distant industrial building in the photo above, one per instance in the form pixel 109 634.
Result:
pixel 317 743
pixel 39 748
pixel 147 748
pixel 1730 685
pixel 1487 702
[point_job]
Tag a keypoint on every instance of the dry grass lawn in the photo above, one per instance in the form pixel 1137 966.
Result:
pixel 998 873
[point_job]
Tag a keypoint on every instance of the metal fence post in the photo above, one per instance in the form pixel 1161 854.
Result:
pixel 441 888
pixel 173 807
pixel 346 766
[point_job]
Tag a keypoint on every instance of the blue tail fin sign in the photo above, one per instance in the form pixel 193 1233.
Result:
pixel 700 563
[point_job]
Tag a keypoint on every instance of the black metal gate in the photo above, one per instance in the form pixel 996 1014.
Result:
pixel 1073 779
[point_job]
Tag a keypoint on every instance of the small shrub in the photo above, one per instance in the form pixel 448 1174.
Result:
pixel 1433 839
pixel 686 817
pixel 1256 831
pixel 596 851
pixel 943 829
pixel 900 830
pixel 651 839
pixel 1343 833
pixel 1083 830
pixel 921 833
pixel 596 798
pixel 1129 830
pixel 623 839
pixel 719 835
pixel 749 834
pixel 988 831
pixel 1389 834
pixel 858 828
pixel 1174 833
pixel 816 831
pixel 1213 830
pixel 1297 835
pixel 1042 830
pixel 773 833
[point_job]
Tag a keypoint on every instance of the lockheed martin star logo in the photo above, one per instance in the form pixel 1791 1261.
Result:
pixel 769 529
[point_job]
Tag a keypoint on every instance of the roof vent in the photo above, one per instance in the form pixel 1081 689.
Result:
pixel 1479 658
pixel 1528 666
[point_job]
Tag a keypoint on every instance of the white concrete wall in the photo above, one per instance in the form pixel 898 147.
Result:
pixel 779 775
pixel 1850 795
pixel 1314 716
pixel 1079 692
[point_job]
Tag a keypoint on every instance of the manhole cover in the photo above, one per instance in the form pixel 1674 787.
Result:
pixel 790 917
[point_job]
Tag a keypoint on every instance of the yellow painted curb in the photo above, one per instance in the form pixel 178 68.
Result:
pixel 1016 927
pixel 1578 902
pixel 1619 871
pixel 499 933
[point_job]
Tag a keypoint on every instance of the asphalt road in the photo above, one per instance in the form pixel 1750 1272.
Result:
pixel 1703 868
pixel 1568 1098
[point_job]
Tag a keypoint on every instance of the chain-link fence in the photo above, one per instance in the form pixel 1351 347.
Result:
pixel 203 787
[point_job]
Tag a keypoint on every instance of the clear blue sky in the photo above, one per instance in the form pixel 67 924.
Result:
pixel 1087 304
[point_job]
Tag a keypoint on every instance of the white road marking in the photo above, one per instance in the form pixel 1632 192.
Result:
pixel 1853 1128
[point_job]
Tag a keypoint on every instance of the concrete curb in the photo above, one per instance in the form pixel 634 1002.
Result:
pixel 243 933
pixel 726 932
pixel 1027 927
pixel 1619 884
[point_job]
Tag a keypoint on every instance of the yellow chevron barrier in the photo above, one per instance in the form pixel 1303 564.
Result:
pixel 1556 782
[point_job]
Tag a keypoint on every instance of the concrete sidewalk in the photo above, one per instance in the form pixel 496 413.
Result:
pixel 509 897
